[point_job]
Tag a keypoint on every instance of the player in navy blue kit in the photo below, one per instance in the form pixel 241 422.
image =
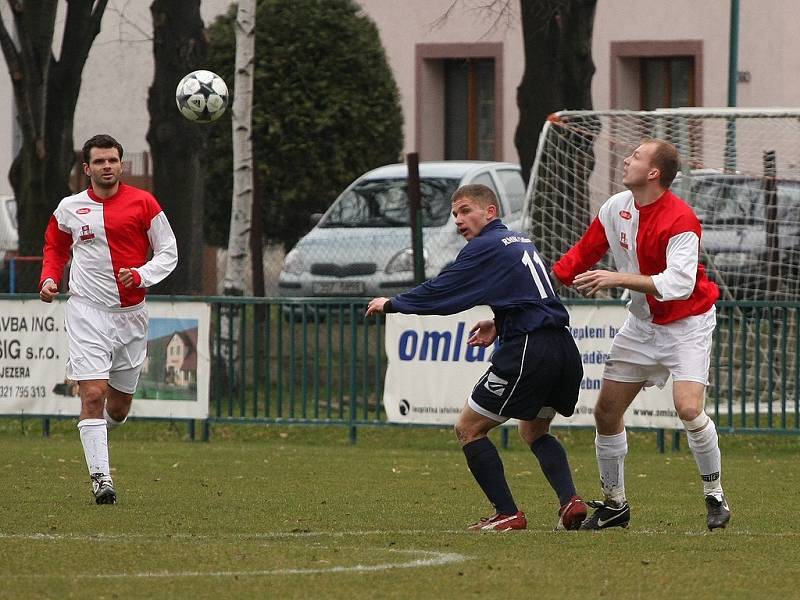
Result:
pixel 537 369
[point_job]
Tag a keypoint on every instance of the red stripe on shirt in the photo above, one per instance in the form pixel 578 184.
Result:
pixel 127 216
pixel 658 223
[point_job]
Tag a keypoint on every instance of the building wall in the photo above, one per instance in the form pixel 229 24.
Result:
pixel 653 23
pixel 119 70
pixel 769 49
pixel 423 22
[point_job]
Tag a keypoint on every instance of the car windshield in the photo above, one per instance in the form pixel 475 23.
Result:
pixel 384 203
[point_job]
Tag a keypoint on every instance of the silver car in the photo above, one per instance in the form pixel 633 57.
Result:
pixel 741 239
pixel 9 237
pixel 362 244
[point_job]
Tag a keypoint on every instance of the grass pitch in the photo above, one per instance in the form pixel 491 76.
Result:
pixel 298 512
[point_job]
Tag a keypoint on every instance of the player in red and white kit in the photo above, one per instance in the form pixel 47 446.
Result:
pixel 109 229
pixel 654 237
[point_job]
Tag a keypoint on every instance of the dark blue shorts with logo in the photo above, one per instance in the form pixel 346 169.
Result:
pixel 530 372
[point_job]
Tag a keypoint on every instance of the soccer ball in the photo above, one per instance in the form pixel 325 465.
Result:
pixel 202 96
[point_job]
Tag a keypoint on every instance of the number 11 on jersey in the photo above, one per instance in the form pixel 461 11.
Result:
pixel 529 261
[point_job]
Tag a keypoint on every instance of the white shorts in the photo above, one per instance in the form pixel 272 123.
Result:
pixel 106 343
pixel 645 352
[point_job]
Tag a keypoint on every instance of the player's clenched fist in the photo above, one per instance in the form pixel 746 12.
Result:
pixel 129 278
pixel 49 291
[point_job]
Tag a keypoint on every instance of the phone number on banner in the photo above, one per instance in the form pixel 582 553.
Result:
pixel 14 392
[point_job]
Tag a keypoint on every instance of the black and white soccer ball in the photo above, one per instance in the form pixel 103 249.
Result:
pixel 202 96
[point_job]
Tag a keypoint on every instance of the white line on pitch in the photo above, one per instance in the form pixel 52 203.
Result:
pixel 434 559
pixel 168 537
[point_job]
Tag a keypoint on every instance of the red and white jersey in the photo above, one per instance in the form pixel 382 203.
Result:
pixel 662 240
pixel 104 236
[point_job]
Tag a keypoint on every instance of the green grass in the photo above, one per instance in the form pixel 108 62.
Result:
pixel 298 512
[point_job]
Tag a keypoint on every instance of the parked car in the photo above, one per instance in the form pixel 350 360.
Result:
pixel 9 238
pixel 736 220
pixel 362 244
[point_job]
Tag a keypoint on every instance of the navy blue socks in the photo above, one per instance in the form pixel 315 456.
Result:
pixel 553 460
pixel 487 468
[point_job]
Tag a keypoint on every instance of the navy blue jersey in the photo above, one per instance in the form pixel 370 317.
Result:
pixel 499 268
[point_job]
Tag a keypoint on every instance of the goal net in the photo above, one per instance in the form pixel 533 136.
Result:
pixel 740 172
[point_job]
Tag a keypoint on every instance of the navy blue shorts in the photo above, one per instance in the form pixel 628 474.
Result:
pixel 529 373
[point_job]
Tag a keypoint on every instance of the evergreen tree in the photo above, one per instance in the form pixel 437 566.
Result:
pixel 325 110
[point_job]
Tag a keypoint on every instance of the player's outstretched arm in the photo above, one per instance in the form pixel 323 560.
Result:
pixel 591 282
pixel 375 306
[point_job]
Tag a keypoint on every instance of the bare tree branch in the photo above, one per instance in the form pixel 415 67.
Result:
pixel 442 19
pixel 122 15
pixel 501 13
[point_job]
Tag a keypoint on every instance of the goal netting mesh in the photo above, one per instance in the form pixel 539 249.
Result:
pixel 740 172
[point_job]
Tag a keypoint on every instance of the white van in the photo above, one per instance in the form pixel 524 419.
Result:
pixel 362 244
pixel 9 238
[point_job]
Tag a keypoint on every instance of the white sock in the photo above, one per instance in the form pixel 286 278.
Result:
pixel 111 423
pixel 611 451
pixel 94 437
pixel 704 444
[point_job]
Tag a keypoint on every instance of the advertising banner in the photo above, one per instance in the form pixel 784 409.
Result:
pixel 33 354
pixel 431 370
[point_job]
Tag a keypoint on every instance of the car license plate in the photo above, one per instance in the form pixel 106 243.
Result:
pixel 338 288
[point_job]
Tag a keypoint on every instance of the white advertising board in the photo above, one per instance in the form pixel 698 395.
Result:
pixel 33 353
pixel 431 370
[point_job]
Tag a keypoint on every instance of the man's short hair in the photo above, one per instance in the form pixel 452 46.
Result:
pixel 478 192
pixel 102 140
pixel 666 159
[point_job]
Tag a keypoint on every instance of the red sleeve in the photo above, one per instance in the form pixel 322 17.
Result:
pixel 57 245
pixel 152 208
pixel 583 255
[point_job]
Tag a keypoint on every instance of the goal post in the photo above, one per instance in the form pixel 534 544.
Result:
pixel 740 171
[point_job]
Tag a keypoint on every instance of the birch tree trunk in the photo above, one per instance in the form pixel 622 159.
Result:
pixel 238 258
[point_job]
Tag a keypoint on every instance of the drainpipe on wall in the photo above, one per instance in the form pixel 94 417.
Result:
pixel 733 76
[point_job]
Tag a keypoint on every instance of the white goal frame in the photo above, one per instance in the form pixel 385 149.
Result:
pixel 578 166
